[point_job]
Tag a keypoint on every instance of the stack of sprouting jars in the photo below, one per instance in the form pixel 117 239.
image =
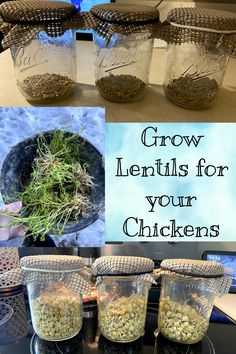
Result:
pixel 56 283
pixel 42 40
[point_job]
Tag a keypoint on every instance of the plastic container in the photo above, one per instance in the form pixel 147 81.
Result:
pixel 194 74
pixel 123 38
pixel 184 309
pixel 45 67
pixel 122 306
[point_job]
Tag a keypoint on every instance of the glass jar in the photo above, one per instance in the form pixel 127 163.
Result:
pixel 184 309
pixel 45 66
pixel 122 66
pixel 194 74
pixel 56 310
pixel 122 307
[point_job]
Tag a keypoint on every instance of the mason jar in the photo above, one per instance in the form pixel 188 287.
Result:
pixel 41 36
pixel 122 307
pixel 55 288
pixel 45 67
pixel 184 309
pixel 199 44
pixel 194 74
pixel 122 66
pixel 123 39
pixel 56 310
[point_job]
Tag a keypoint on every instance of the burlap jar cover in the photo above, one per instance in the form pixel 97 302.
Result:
pixel 69 270
pixel 200 25
pixel 204 274
pixel 24 19
pixel 125 19
pixel 114 266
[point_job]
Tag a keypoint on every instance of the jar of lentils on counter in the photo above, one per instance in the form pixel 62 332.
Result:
pixel 188 288
pixel 123 38
pixel 42 40
pixel 123 284
pixel 55 287
pixel 200 43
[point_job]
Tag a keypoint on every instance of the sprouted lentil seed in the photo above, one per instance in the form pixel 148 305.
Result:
pixel 121 88
pixel 123 319
pixel 193 93
pixel 46 86
pixel 57 313
pixel 181 323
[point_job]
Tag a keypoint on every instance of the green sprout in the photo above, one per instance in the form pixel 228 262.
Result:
pixel 58 189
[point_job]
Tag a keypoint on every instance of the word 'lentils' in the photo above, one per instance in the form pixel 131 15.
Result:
pixel 193 93
pixel 121 88
pixel 46 86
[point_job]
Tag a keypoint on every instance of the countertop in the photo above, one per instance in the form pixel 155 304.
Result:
pixel 153 107
pixel 17 336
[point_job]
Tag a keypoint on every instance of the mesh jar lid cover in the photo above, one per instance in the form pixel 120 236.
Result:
pixel 52 263
pixel 22 20
pixel 125 13
pixel 139 267
pixel 193 267
pixel 122 265
pixel 206 26
pixel 203 18
pixel 211 274
pixel 69 270
pixel 124 19
pixel 31 11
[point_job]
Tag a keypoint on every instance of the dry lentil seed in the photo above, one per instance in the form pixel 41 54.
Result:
pixel 121 88
pixel 192 93
pixel 46 86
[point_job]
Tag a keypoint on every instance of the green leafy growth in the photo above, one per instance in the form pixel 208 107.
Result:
pixel 59 186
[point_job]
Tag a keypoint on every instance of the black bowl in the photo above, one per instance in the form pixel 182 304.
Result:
pixel 17 167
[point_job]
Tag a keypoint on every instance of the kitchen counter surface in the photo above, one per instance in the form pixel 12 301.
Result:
pixel 152 107
pixel 17 336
